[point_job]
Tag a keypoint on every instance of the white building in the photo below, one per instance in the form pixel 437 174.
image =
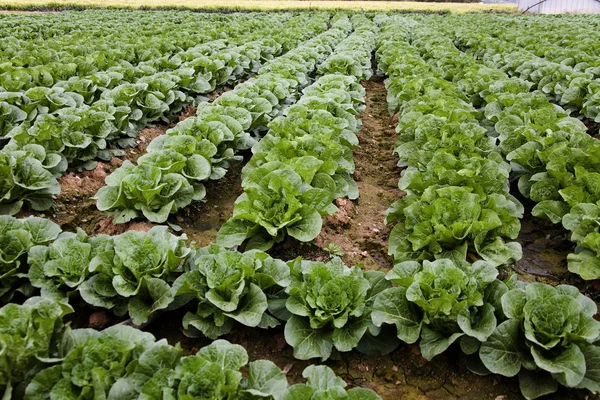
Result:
pixel 560 6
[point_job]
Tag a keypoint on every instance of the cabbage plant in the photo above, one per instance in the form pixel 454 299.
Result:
pixel 145 189
pixel 230 286
pixel 30 338
pixel 94 362
pixel 278 201
pixel 322 383
pixel 330 306
pixel 549 337
pixel 133 273
pixel 17 236
pixel 440 302
pixel 335 160
pixel 582 222
pixel 10 116
pixel 450 221
pixel 59 268
pixel 24 179
pixel 214 372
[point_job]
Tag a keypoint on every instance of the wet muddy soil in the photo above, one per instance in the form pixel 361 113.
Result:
pixel 545 249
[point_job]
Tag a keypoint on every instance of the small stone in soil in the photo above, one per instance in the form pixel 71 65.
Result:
pixel 99 320
pixel 280 343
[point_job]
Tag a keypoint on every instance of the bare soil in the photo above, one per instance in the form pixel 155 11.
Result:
pixel 202 221
pixel 358 228
pixel 545 249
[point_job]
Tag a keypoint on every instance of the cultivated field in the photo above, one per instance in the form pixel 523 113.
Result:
pixel 266 5
pixel 299 205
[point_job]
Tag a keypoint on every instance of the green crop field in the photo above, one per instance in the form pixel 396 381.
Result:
pixel 299 205
pixel 262 5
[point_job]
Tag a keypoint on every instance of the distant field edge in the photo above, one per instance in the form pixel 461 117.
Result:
pixel 256 5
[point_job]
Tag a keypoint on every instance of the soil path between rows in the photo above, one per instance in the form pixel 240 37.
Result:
pixel 358 228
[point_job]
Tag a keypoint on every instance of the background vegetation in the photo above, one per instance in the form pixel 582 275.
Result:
pixel 239 5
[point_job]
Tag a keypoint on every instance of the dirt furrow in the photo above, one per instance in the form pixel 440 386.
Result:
pixel 358 229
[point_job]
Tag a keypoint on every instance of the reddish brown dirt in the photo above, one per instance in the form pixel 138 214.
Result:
pixel 358 228
pixel 143 140
pixel 202 221
pixel 86 184
pixel 99 320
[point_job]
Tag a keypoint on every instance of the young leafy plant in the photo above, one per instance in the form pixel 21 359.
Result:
pixel 440 302
pixel 25 179
pixel 334 250
pixel 17 236
pixel 322 383
pixel 450 221
pixel 214 372
pixel 230 286
pixel 277 201
pixel 330 305
pixel 583 223
pixel 148 190
pixel 133 271
pixel 549 336
pixel 30 337
pixel 60 267
pixel 94 362
pixel 336 160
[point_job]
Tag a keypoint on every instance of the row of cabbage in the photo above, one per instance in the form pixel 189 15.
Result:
pixel 457 199
pixel 44 49
pixel 305 161
pixel 79 134
pixel 172 174
pixel 552 155
pixel 565 41
pixel 77 116
pixel 575 88
pixel 156 88
pixel 326 306
pixel 457 185
pixel 43 358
